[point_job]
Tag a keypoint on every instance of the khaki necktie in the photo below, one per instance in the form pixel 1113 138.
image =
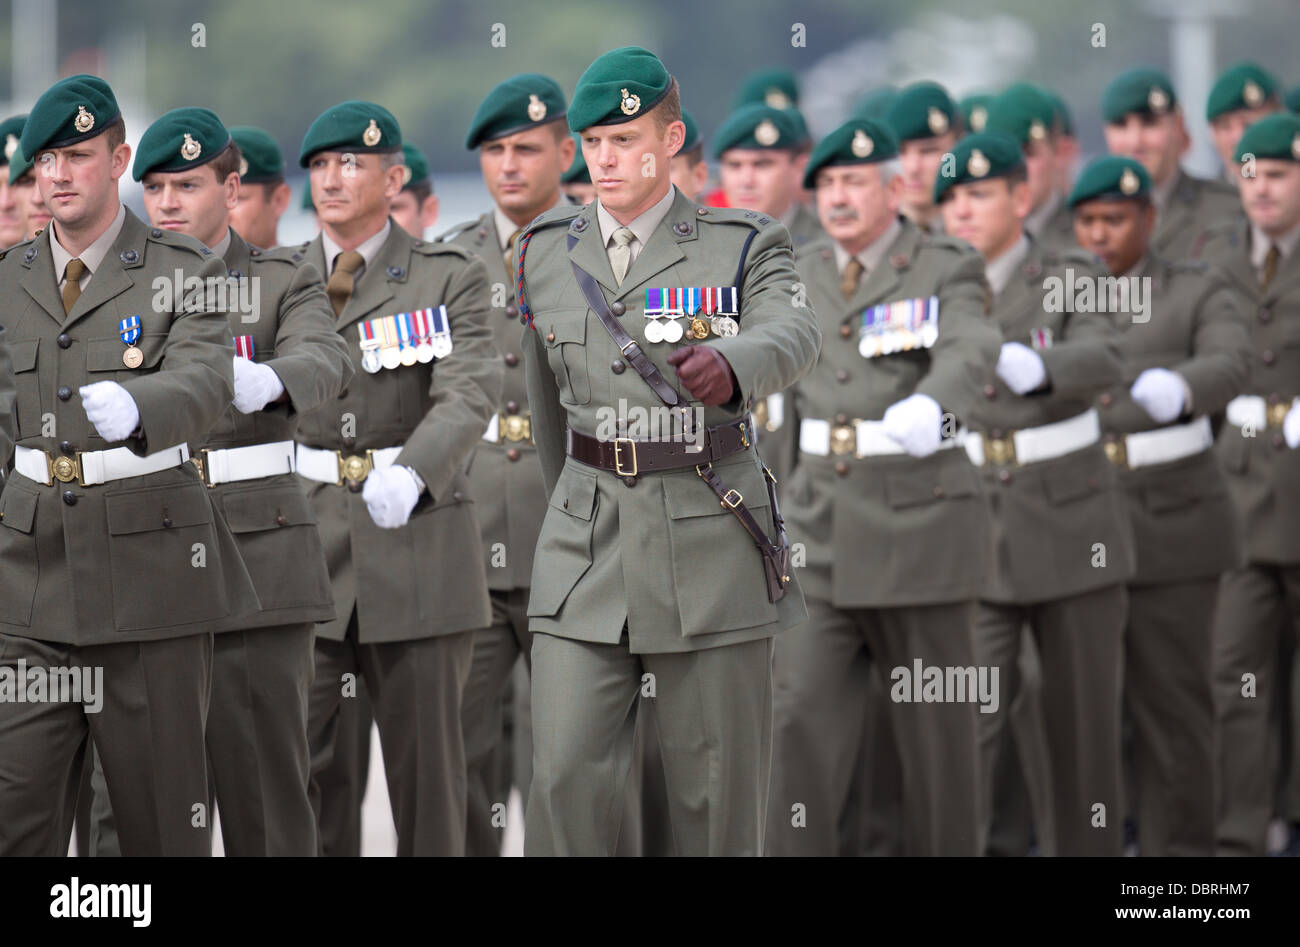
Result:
pixel 509 252
pixel 850 278
pixel 72 274
pixel 343 279
pixel 620 254
pixel 1270 265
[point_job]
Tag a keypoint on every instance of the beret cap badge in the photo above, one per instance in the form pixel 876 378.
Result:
pixel 11 145
pixel 190 149
pixel 372 134
pixel 630 103
pixel 777 99
pixel 1037 130
pixel 978 116
pixel 1252 94
pixel 862 145
pixel 766 134
pixel 406 175
pixel 84 121
pixel 1157 101
pixel 536 108
pixel 936 120
pixel 1128 182
pixel 243 166
pixel 978 165
pixel 1295 146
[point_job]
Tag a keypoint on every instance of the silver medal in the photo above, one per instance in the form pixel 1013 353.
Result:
pixel 370 360
pixel 673 331
pixel 654 330
pixel 724 325
pixel 929 334
pixel 441 345
pixel 424 352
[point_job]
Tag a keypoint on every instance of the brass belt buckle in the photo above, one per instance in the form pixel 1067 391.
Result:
pixel 727 501
pixel 1000 450
pixel 618 458
pixel 354 468
pixel 65 469
pixel 844 439
pixel 1116 453
pixel 1277 413
pixel 204 467
pixel 516 427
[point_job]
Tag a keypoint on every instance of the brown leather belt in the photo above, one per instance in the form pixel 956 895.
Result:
pixel 630 457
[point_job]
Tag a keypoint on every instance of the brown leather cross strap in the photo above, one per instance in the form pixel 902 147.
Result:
pixel 776 554
pixel 630 457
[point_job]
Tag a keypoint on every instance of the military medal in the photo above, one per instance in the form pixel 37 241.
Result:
pixel 406 346
pixel 369 347
pixel 1041 338
pixel 129 330
pixel 441 335
pixel 690 297
pixel 654 330
pixel 244 346
pixel 389 356
pixel 673 330
pixel 423 346
pixel 725 325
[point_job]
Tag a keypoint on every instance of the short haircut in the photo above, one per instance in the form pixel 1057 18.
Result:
pixel 694 156
pixel 420 191
pixel 226 162
pixel 388 159
pixel 115 133
pixel 669 109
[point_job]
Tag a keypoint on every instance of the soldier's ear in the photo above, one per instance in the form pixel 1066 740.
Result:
pixel 231 184
pixel 120 160
pixel 1021 199
pixel 568 150
pixel 429 211
pixel 280 198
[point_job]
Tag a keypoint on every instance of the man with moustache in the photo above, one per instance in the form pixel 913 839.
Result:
pixel 924 119
pixel 887 508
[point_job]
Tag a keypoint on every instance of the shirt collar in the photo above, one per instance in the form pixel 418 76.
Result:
pixel 222 245
pixel 94 254
pixel 642 226
pixel 505 226
pixel 1001 268
pixel 369 248
pixel 1260 242
pixel 870 255
pixel 1039 216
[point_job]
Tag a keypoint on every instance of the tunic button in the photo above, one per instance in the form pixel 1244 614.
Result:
pixel 354 486
pixel 65 447
pixel 512 454
pixel 64 392
pixel 512 407
pixel 167 522
pixel 841 419
pixel 343 394
pixel 1004 476
pixel 617 308
pixel 550 337
pixel 69 498
pixel 629 481
pixel 457 495
pixel 512 359
pixel 938 491
pixel 1267 357
pixel 842 375
pixel 64 340
pixel 990 391
pixel 281 521
pixel 1105 399
pixel 511 310
pixel 845 332
pixel 841 468
pixel 617 366
pixel 1265 314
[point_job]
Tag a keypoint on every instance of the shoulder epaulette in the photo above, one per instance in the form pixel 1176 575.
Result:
pixel 181 241
pixel 459 229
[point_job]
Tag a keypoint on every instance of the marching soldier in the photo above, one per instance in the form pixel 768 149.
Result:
pixel 647 579
pixel 1241 95
pixel 415 208
pixel 1052 497
pixel 888 511
pixel 263 195
pixel 924 120
pixel 690 172
pixel 975 110
pixel 1028 114
pixel 1260 597
pixel 1144 121
pixel 112 554
pixel 523 145
pixel 386 462
pixel 13 215
pixel 576 182
pixel 22 178
pixel 1067 145
pixel 1185 348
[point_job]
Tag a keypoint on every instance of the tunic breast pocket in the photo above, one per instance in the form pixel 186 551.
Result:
pixel 565 337
pixel 105 356
pixel 27 410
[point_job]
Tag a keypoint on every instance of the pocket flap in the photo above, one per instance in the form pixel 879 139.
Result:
pixel 23 354
pixel 105 355
pixel 1069 483
pixel 575 494
pixel 18 508
pixel 251 511
pixel 145 510
pixel 565 327
pixel 953 479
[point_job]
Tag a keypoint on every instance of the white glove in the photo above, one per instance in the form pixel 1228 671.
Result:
pixel 1021 367
pixel 390 494
pixel 1161 394
pixel 1291 426
pixel 256 385
pixel 914 423
pixel 111 409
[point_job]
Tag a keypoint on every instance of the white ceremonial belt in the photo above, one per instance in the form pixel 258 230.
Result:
pixel 227 465
pixel 1254 412
pixel 1036 444
pixel 90 468
pixel 336 467
pixel 492 433
pixel 1164 445
pixel 857 438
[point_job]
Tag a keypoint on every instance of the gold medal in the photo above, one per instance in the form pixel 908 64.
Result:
pixel 132 357
pixel 699 328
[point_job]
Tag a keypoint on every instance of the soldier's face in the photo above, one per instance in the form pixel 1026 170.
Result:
pixel 1272 197
pixel 36 213
pixel 856 204
pixel 582 193
pixel 1040 170
pixel 986 214
pixel 192 202
pixel 1227 129
pixel 1155 140
pixel 629 163
pixel 1116 231
pixel 348 187
pixel 920 160
pixel 413 215
pixel 689 178
pixel 522 171
pixel 759 179
pixel 79 183
pixel 13 220
pixel 257 212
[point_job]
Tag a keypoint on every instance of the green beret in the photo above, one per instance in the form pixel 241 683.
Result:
pixel 1274 136
pixel 975 110
pixel 759 126
pixel 519 103
pixel 18 166
pixel 620 86
pixel 979 157
pixel 577 173
pixel 1025 112
pixel 876 103
pixel 416 165
pixel 1064 123
pixel 857 141
pixel 921 110
pixel 352 126
pixel 259 153
pixel 1142 90
pixel 775 87
pixel 11 129
pixel 1293 99
pixel 72 110
pixel 1244 85
pixel 692 132
pixel 307 203
pixel 1111 177
pixel 179 140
